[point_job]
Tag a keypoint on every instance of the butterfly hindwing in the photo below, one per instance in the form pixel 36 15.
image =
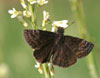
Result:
pixel 38 38
pixel 44 53
pixel 63 56
pixel 79 46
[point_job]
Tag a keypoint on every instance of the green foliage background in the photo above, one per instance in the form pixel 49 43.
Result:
pixel 15 53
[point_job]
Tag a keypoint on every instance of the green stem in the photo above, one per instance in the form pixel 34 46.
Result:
pixel 35 13
pixel 32 16
pixel 46 70
pixel 77 9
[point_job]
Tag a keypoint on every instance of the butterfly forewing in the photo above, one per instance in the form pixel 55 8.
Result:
pixel 79 46
pixel 38 38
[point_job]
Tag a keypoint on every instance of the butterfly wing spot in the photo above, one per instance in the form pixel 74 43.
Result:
pixel 84 48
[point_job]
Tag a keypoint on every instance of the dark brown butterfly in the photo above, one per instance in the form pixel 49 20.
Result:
pixel 64 49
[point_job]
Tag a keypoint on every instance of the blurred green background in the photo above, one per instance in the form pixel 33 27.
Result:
pixel 16 59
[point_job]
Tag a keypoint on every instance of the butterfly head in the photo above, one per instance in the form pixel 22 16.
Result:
pixel 60 30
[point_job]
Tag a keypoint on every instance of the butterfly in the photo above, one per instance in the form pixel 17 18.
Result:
pixel 64 49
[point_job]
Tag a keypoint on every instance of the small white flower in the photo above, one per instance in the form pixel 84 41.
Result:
pixel 26 13
pixel 32 1
pixel 23 4
pixel 25 24
pixel 45 15
pixel 53 29
pixel 51 69
pixel 39 67
pixel 21 19
pixel 13 12
pixel 62 23
pixel 45 18
pixel 41 2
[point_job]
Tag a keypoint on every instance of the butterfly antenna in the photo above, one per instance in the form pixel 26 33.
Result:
pixel 70 23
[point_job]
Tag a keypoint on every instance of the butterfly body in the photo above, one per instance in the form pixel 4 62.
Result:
pixel 64 49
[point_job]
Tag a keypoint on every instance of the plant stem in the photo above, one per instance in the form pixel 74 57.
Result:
pixel 32 17
pixel 46 70
pixel 77 9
